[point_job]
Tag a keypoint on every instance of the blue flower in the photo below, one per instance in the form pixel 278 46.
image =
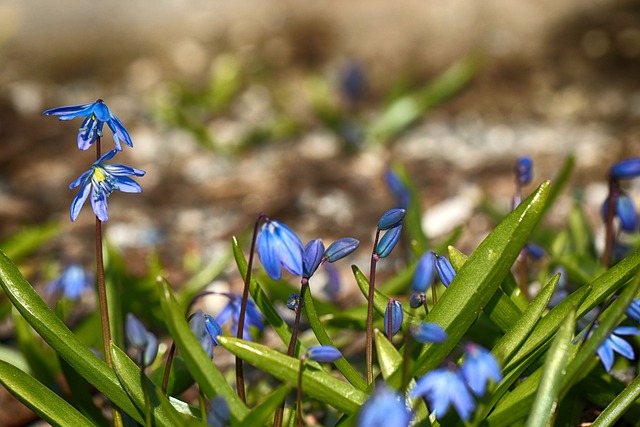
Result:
pixel 479 367
pixel 393 316
pixel 100 181
pixel 323 353
pixel 534 251
pixel 445 270
pixel 417 299
pixel 391 219
pixel 232 311
pixel 73 282
pixel 313 255
pixel 293 301
pixel 633 311
pixel 353 82
pixel 385 408
pixel 218 415
pixel 626 169
pixel 198 325
pixel 625 211
pixel 428 332
pixel 398 189
pixel 278 246
pixel 425 272
pixel 442 388
pixel 388 241
pixel 340 249
pixel 617 344
pixel 144 341
pixel 96 115
pixel 524 167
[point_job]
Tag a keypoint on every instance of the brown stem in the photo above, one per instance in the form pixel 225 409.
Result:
pixel 372 281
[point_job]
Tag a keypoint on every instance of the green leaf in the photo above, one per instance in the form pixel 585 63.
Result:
pixel 60 338
pixel 210 379
pixel 514 337
pixel 480 277
pixel 28 240
pixel 142 390
pixel 263 413
pixel 180 378
pixel 198 282
pixel 388 357
pixel 614 411
pixel 51 407
pixel 316 384
pixel 548 394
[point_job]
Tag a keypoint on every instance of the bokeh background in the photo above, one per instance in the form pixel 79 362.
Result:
pixel 285 107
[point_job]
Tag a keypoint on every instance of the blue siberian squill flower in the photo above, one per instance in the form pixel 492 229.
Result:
pixel 445 270
pixel 313 255
pixel 391 219
pixel 198 326
pixel 626 169
pixel 385 408
pixel 534 251
pixel 479 367
pixel 323 353
pixel 218 415
pixel 72 283
pixel 524 167
pixel 100 181
pixel 615 343
pixel 425 332
pixel 398 189
pixel 96 115
pixel 278 246
pixel 388 241
pixel 340 249
pixel 417 299
pixel 442 388
pixel 393 317
pixel 624 210
pixel 425 272
pixel 232 311
pixel 144 341
pixel 633 311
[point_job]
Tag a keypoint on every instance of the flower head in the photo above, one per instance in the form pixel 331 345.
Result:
pixel 385 408
pixel 479 367
pixel 96 115
pixel 142 340
pixel 73 282
pixel 442 388
pixel 428 332
pixel 391 219
pixel 323 353
pixel 524 167
pixel 626 169
pixel 425 272
pixel 278 246
pixel 232 311
pixel 313 255
pixel 445 270
pixel 388 241
pixel 624 210
pixel 198 325
pixel 417 299
pixel 100 181
pixel 615 343
pixel 398 189
pixel 393 316
pixel 340 249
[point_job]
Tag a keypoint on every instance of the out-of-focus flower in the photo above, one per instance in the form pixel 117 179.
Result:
pixel 391 219
pixel 633 311
pixel 624 210
pixel 425 272
pixel 218 415
pixel 398 189
pixel 353 82
pixel 524 167
pixel 232 311
pixel 334 283
pixel 442 388
pixel 626 169
pixel 534 251
pixel 417 299
pixel 445 270
pixel 388 241
pixel 198 325
pixel 385 408
pixel 615 343
pixel 72 283
pixel 323 353
pixel 313 255
pixel 340 249
pixel 278 246
pixel 100 181
pixel 479 367
pixel 428 332
pixel 293 302
pixel 393 317
pixel 96 115
pixel 142 340
pixel 213 328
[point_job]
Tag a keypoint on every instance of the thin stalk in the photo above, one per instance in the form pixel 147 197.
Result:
pixel 614 191
pixel 372 281
pixel 167 368
pixel 243 310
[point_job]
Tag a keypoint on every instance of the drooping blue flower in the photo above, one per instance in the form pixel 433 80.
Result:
pixel 625 211
pixel 96 115
pixel 398 189
pixel 278 246
pixel 442 388
pixel 388 241
pixel 524 167
pixel 391 219
pixel 198 325
pixel 323 353
pixel 313 255
pixel 213 328
pixel 626 169
pixel 479 367
pixel 142 340
pixel 425 272
pixel 340 249
pixel 633 311
pixel 218 415
pixel 445 270
pixel 232 311
pixel 393 317
pixel 426 332
pixel 100 181
pixel 385 408
pixel 72 283
pixel 417 299
pixel 615 343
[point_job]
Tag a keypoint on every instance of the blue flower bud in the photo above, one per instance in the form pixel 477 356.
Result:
pixel 391 218
pixel 398 189
pixel 219 414
pixel 428 332
pixel 445 270
pixel 136 332
pixel 213 328
pixel 393 317
pixel 524 168
pixel 625 211
pixel 425 272
pixel 313 253
pixel 151 350
pixel 324 353
pixel 534 251
pixel 293 302
pixel 388 241
pixel 278 246
pixel 341 248
pixel 626 169
pixel 417 300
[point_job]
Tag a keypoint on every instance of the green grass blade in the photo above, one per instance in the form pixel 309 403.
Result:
pixel 263 413
pixel 614 411
pixel 389 359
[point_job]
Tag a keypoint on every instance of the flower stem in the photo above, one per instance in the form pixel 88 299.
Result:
pixel 167 368
pixel 372 281
pixel 243 310
pixel 614 191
